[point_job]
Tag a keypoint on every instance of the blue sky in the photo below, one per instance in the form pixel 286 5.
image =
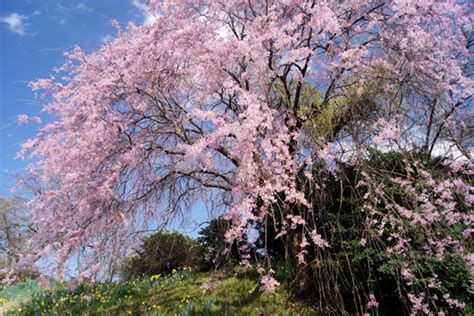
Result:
pixel 33 36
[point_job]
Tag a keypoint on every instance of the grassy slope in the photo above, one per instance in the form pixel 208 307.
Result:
pixel 179 294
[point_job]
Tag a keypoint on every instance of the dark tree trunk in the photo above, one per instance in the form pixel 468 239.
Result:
pixel 301 271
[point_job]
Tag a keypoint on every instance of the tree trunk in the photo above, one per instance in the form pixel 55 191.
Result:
pixel 301 271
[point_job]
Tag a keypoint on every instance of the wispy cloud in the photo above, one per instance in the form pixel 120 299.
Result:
pixel 16 23
pixel 106 39
pixel 81 6
pixel 149 18
pixel 69 10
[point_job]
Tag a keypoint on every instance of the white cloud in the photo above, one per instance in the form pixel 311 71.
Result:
pixel 445 148
pixel 79 7
pixel 106 39
pixel 36 13
pixel 68 10
pixel 16 23
pixel 149 17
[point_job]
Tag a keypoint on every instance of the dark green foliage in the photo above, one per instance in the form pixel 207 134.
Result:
pixel 216 251
pixel 161 253
pixel 344 274
pixel 353 270
pixel 212 240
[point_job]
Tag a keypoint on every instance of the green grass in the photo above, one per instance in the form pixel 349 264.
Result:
pixel 183 293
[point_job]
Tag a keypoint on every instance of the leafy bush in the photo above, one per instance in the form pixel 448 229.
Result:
pixel 359 266
pixel 161 253
pixel 216 251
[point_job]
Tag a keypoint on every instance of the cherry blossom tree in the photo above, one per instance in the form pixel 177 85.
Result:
pixel 234 103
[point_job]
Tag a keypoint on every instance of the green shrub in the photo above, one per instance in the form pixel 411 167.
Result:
pixel 353 270
pixel 161 253
pixel 342 277
pixel 216 251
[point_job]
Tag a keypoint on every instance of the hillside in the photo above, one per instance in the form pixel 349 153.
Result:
pixel 181 293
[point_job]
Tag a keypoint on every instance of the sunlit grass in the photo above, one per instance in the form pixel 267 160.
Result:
pixel 182 293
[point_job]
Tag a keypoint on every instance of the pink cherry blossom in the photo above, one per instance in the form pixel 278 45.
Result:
pixel 269 284
pixel 372 301
pixel 22 119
